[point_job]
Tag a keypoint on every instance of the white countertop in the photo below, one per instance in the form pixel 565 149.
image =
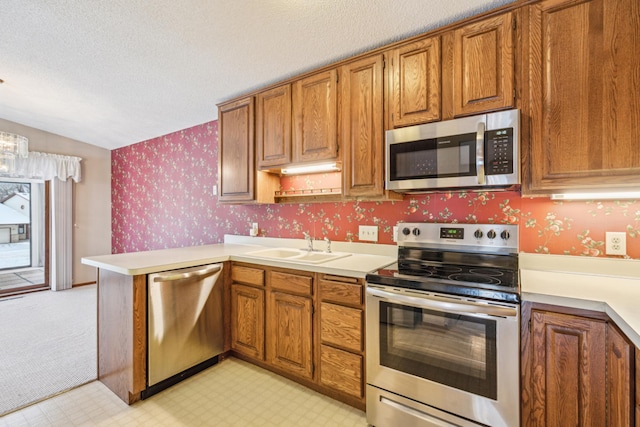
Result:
pixel 608 285
pixel 363 259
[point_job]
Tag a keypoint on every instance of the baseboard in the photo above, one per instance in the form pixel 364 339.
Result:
pixel 76 285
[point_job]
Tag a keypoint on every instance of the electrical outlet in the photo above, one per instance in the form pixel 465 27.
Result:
pixel 616 243
pixel 368 233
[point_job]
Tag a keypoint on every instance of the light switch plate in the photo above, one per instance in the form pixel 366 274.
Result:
pixel 368 233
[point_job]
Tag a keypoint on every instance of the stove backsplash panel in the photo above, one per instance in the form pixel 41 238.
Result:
pixel 162 197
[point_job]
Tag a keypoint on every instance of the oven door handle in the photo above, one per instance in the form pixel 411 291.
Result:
pixel 440 304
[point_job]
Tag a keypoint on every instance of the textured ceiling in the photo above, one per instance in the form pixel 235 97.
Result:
pixel 113 73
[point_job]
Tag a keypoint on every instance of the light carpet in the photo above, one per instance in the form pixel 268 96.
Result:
pixel 47 344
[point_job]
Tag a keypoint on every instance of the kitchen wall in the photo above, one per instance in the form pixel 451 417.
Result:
pixel 163 198
pixel 92 196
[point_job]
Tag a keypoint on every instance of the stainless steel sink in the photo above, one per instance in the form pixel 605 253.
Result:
pixel 297 255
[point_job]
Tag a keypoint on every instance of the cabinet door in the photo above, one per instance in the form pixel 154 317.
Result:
pixel 584 68
pixel 568 370
pixel 289 323
pixel 620 360
pixel 414 84
pixel 483 66
pixel 362 127
pixel 273 127
pixel 315 112
pixel 236 151
pixel 247 324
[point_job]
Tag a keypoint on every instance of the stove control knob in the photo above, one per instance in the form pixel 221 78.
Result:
pixel 416 232
pixel 406 231
pixel 505 235
pixel 491 234
pixel 478 234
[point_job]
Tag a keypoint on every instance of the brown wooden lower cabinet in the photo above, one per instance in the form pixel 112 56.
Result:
pixel 342 370
pixel 303 325
pixel 122 333
pixel 247 324
pixel 577 369
pixel 637 386
pixel 620 381
pixel 289 336
pixel 341 338
pixel 247 310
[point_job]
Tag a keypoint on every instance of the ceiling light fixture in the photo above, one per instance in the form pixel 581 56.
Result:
pixel 597 196
pixel 11 146
pixel 324 167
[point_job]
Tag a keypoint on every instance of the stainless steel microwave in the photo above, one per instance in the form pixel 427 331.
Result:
pixel 477 152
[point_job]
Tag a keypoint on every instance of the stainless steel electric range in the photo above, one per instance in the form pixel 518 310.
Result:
pixel 443 328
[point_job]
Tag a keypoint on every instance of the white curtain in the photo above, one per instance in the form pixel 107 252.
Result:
pixel 48 166
pixel 61 235
pixel 37 224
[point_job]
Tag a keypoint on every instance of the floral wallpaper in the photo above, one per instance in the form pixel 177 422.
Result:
pixel 163 198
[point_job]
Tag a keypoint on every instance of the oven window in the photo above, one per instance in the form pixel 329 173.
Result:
pixel 451 349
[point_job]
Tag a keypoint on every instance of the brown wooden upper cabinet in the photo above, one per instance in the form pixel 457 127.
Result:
pixel 414 83
pixel 236 152
pixel 273 127
pixel 362 127
pixel 483 65
pixel 585 114
pixel 315 117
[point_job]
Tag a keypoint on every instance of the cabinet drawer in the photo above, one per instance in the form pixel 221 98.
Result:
pixel 291 282
pixel 341 326
pixel 341 370
pixel 248 275
pixel 341 292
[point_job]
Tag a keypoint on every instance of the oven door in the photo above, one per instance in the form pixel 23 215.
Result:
pixel 453 354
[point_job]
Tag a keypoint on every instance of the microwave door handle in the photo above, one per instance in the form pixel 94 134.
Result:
pixel 480 152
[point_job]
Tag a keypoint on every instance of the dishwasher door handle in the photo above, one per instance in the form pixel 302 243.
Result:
pixel 198 273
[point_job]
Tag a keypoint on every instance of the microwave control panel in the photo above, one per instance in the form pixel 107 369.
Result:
pixel 498 151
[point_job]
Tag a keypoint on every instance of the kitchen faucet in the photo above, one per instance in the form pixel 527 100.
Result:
pixel 328 250
pixel 309 240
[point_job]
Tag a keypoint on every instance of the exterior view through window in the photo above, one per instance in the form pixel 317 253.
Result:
pixel 22 231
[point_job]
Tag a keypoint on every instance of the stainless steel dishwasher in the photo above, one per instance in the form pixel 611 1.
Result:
pixel 185 324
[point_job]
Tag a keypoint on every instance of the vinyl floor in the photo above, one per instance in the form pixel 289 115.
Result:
pixel 231 393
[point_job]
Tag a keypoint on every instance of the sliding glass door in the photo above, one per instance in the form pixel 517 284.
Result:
pixel 23 228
